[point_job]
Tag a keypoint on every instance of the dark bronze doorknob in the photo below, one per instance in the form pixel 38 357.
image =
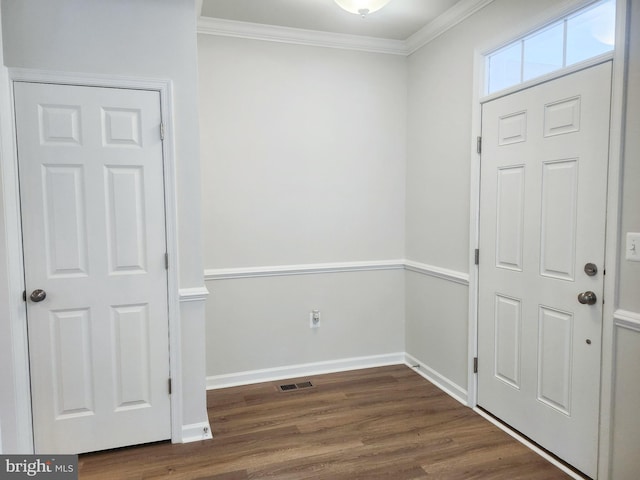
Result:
pixel 587 298
pixel 38 295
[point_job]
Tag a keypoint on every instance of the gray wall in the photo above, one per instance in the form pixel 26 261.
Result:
pixel 303 154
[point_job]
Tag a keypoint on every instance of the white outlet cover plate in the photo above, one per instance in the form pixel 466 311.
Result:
pixel 633 247
pixel 313 324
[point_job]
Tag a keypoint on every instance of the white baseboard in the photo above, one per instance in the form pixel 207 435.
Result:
pixel 195 432
pixel 303 370
pixel 439 380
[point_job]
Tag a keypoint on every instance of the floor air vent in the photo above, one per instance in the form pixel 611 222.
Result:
pixel 295 386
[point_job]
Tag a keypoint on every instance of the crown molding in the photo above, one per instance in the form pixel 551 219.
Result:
pixel 449 19
pixel 300 36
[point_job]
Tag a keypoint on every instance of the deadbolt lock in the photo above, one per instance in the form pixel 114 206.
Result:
pixel 590 269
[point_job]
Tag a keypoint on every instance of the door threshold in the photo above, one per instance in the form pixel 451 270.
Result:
pixel 527 442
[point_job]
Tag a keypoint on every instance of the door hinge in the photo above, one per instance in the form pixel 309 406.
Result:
pixel 166 261
pixel 24 295
pixel 479 145
pixel 475 364
pixel 477 256
pixel 161 131
pixel 169 385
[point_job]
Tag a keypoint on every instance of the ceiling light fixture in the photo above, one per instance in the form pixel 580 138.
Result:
pixel 362 7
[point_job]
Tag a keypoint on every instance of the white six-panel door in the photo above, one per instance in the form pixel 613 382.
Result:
pixel 543 201
pixel 92 199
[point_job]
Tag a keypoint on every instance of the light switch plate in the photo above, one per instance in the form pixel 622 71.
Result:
pixel 633 247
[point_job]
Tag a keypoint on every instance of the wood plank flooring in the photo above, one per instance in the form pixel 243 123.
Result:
pixel 377 424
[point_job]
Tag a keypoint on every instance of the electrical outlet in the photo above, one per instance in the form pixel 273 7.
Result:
pixel 633 247
pixel 314 319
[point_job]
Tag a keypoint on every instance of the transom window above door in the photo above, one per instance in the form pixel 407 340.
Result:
pixel 578 37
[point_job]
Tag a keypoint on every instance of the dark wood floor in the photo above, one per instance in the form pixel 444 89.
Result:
pixel 377 424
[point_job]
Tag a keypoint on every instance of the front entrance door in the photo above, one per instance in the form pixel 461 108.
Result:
pixel 542 225
pixel 92 199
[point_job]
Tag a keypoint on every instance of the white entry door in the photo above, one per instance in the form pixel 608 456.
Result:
pixel 542 225
pixel 92 198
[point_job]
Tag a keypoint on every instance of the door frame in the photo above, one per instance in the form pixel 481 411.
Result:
pixel 614 189
pixel 18 318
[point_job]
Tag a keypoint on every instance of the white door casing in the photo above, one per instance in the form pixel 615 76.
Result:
pixel 92 200
pixel 542 218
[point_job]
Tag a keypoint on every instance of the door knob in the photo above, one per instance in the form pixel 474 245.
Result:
pixel 38 295
pixel 587 298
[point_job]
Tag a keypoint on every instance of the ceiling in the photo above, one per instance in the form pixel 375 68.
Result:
pixel 397 21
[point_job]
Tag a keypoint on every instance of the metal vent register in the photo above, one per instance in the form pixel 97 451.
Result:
pixel 289 387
